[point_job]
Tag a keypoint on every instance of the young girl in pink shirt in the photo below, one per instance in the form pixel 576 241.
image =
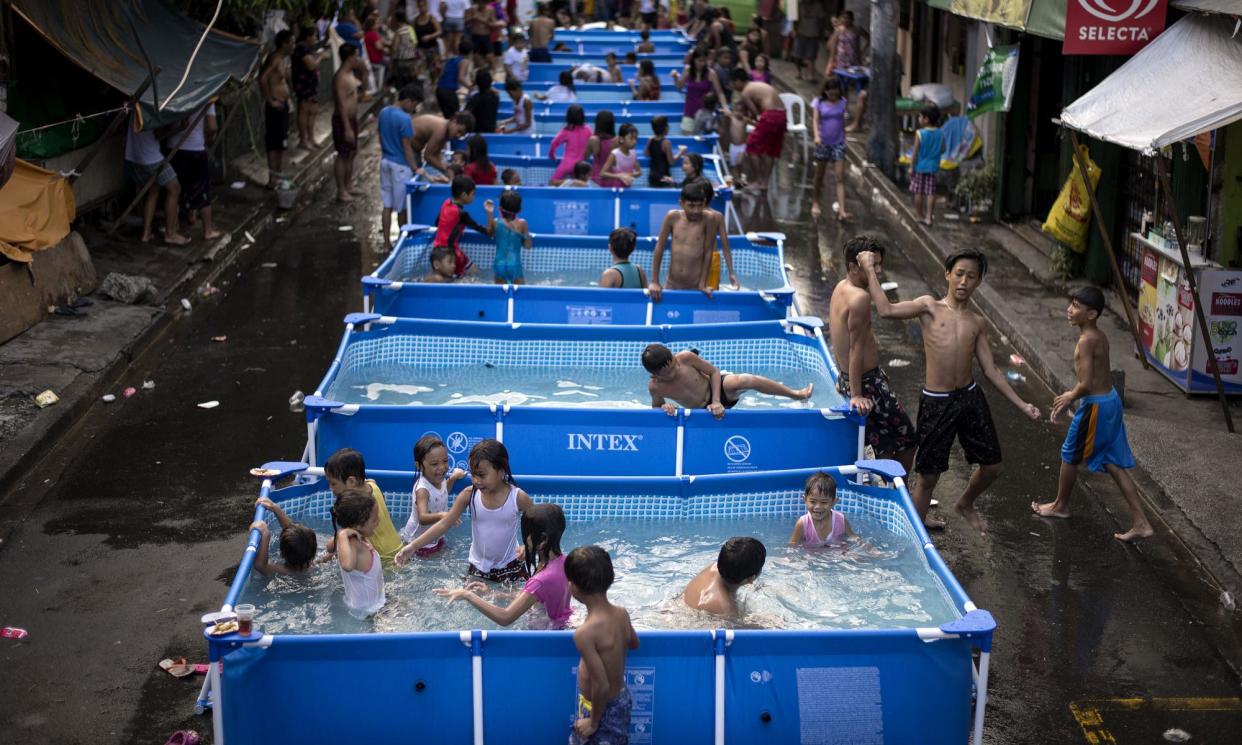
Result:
pixel 574 137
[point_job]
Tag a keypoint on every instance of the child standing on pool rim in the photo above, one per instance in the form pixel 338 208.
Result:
pixel 823 524
pixel 431 490
pixel 1097 434
pixel 495 505
pixel 542 528
pixel 512 236
pixel 345 470
pixel 603 640
pixel 354 520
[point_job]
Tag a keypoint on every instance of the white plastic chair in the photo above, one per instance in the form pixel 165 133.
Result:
pixel 796 121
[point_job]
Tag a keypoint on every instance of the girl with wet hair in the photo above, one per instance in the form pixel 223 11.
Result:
pixel 354 518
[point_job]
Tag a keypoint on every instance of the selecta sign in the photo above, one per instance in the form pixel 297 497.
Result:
pixel 1111 26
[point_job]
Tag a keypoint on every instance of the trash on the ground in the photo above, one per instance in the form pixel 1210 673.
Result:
pixel 1016 376
pixel 279 220
pixel 238 185
pixel 1004 339
pixel 148 385
pixel 934 503
pixel 1017 359
pixel 129 392
pixel 1174 734
pixel 1037 535
pixel 295 401
pixel 1226 600
pixel 127 288
pixel 207 289
pixel 952 216
pixel 268 265
pixel 209 404
pixel 46 399
pixel 12 632
pixel 895 362
pixel 249 237
pixel 180 668
pixel 345 228
pixel 889 286
pixel 219 338
pixel 185 303
pixel 108 398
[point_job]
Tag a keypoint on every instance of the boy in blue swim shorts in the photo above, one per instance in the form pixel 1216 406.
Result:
pixel 1097 434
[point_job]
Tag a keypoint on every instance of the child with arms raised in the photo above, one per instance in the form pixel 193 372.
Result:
pixel 354 519
pixel 297 543
pixel 511 236
pixel 430 490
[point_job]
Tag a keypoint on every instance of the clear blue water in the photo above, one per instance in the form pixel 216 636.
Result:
pixel 878 584
pixel 559 386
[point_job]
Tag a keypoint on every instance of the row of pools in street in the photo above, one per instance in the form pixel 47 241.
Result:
pixel 859 646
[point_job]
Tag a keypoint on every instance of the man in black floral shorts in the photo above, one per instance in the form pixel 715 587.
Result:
pixel 889 430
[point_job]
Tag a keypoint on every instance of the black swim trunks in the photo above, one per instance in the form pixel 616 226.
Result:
pixel 725 401
pixel 889 429
pixel 276 127
pixel 514 571
pixel 963 414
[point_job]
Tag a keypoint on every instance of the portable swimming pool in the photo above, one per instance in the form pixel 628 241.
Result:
pixel 537 171
pixel 868 684
pixel 574 211
pixel 550 124
pixel 572 399
pixel 550 72
pixel 595 54
pixel 613 92
pixel 575 263
pixel 669 108
pixel 537 144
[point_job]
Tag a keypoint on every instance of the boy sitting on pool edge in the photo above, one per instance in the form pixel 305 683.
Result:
pixel 687 379
pixel 715 588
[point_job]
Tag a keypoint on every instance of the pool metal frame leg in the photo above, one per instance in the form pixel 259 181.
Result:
pixel 981 697
pixel 722 638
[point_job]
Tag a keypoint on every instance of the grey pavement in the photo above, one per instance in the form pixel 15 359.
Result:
pixel 1180 443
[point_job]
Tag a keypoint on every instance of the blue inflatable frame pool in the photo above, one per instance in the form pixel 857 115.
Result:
pixel 866 685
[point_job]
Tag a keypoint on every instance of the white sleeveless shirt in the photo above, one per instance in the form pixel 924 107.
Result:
pixel 493 533
pixel 437 501
pixel 364 591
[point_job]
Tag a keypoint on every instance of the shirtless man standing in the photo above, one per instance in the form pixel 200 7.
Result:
pixel 952 405
pixel 542 29
pixel 687 379
pixel 760 104
pixel 693 242
pixel 889 429
pixel 352 73
pixel 274 85
pixel 431 132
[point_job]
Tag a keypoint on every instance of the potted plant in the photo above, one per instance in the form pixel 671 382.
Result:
pixel 976 188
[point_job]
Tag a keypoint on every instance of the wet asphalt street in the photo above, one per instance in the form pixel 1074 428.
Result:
pixel 132 526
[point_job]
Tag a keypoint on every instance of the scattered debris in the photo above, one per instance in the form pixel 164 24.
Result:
pixel 46 399
pixel 12 632
pixel 148 385
pixel 1176 735
pixel 185 303
pixel 898 363
pixel 889 286
pixel 345 228
pixel 268 265
pixel 127 288
pixel 295 401
pixel 1017 359
pixel 129 392
pixel 1015 376
pixel 108 398
pixel 249 237
pixel 1037 535
pixel 219 338
pixel 1226 600
pixel 952 216
pixel 238 185
pixel 209 404
pixel 207 289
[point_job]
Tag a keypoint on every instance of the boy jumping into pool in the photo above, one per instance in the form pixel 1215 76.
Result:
pixel 603 640
pixel 687 379
pixel 453 221
pixel 693 242
pixel 715 588
pixel 1097 433
pixel 952 405
pixel 889 429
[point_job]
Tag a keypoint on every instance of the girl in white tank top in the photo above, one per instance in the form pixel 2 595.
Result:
pixel 430 500
pixel 354 517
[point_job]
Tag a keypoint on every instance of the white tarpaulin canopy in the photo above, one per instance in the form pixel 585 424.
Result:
pixel 1187 81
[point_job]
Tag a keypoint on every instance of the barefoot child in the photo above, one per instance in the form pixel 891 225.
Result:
pixel 443 264
pixel 297 543
pixel 823 524
pixel 542 528
pixel 495 504
pixel 925 163
pixel 431 490
pixel 828 115
pixel 889 429
pixel 512 236
pixel 453 221
pixel 715 588
pixel 354 519
pixel 345 470
pixel 603 640
pixel 687 379
pixel 1097 433
pixel 952 405
pixel 622 273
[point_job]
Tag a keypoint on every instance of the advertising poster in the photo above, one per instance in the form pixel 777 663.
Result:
pixel 1109 27
pixel 1005 12
pixel 1166 312
pixel 1221 294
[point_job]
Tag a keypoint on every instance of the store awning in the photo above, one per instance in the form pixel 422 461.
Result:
pixel 1039 17
pixel 1187 81
pixel 8 147
pixel 1226 7
pixel 107 38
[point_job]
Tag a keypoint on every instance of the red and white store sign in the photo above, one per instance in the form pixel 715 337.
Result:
pixel 1112 26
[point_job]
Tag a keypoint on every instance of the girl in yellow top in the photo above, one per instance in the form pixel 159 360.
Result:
pixel 346 470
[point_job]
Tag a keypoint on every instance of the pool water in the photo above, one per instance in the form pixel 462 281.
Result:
pixel 880 583
pixel 576 277
pixel 559 386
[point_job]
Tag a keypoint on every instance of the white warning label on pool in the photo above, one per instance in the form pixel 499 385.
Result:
pixel 852 714
pixel 570 218
pixel 588 314
pixel 641 682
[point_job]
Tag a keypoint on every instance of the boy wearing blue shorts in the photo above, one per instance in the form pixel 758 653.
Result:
pixel 1097 434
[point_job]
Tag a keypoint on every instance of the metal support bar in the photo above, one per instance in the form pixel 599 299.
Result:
pixel 981 698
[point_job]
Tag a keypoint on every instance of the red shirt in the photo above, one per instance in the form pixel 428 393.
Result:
pixel 480 175
pixel 450 224
pixel 371 39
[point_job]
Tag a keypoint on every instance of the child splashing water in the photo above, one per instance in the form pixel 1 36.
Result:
pixel 495 504
pixel 430 491
pixel 511 235
pixel 542 528
pixel 823 524
pixel 354 517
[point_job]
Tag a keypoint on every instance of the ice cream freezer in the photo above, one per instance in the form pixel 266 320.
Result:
pixel 1170 336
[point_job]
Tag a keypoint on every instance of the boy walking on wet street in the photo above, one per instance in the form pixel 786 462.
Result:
pixel 1097 433
pixel 952 405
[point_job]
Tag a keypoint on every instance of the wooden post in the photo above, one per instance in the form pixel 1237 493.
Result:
pixel 1108 248
pixel 151 181
pixel 116 122
pixel 1201 319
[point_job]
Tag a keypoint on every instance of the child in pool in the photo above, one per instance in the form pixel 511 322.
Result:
pixel 661 154
pixel 495 504
pixel 430 490
pixel 581 176
pixel 344 470
pixel 621 168
pixel 823 524
pixel 542 528
pixel 573 136
pixel 686 378
pixel 522 122
pixel 715 588
pixel 354 519
pixel 478 165
pixel 453 221
pixel 510 177
pixel 297 543
pixel 603 641
pixel 511 236
pixel 443 264
pixel 622 273
pixel 562 92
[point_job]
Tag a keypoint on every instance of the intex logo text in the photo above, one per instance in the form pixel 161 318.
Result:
pixel 589 441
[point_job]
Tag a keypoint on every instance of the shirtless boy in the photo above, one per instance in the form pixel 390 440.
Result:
pixel 687 379
pixel 350 75
pixel 274 85
pixel 693 242
pixel 603 640
pixel 889 429
pixel 542 29
pixel 431 132
pixel 761 105
pixel 952 404
pixel 1097 433
pixel 715 588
